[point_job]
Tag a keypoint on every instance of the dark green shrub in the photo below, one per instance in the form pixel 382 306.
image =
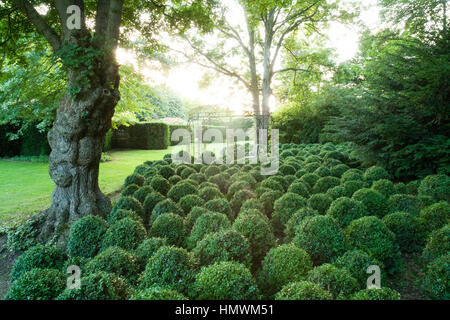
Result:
pixel 142 169
pixel 310 179
pixel 384 186
pixel 239 198
pixel 130 190
pixel 134 178
pixel 146 250
pixel 258 233
pixel 221 180
pixel 289 179
pixel 186 203
pixel 98 286
pixel 86 236
pixel 117 261
pixel 173 180
pixel 211 170
pixel 406 229
pixel 205 224
pixel 338 170
pixel 193 216
pixel 166 171
pixel 252 204
pixel 311 166
pixel 149 204
pixel 352 186
pixel 237 186
pixel 344 210
pixel 157 293
pixel 209 193
pixel 43 257
pixel 225 245
pixel 160 184
pixel 300 173
pixel 149 136
pixel 376 294
pixel 284 208
pixel 169 267
pixel 323 184
pixel 371 235
pixel 352 175
pixel 374 202
pixel 142 193
pixel 438 244
pixel 286 170
pixel 282 265
pixel 244 176
pixel 375 173
pixel 320 202
pixel 338 282
pixel 436 278
pixel 165 206
pixel 435 216
pixel 220 205
pixel 171 227
pixel 436 186
pixel 299 188
pixel 321 237
pixel 37 284
pixel 272 184
pixel 356 263
pixel 425 201
pixel 225 281
pixel 404 202
pixel 412 187
pixel 129 203
pixel 400 188
pixel 180 190
pixel 268 199
pixel 125 233
pixel 295 220
pixel 303 290
pixel 122 214
pixel 337 192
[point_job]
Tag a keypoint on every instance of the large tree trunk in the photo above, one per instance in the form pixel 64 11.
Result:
pixel 76 140
pixel 268 72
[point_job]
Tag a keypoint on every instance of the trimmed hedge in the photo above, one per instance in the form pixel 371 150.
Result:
pixel 303 290
pixel 145 135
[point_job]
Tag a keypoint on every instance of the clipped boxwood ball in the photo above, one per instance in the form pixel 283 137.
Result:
pixel 252 204
pixel 150 202
pixel 356 263
pixel 222 180
pixel 122 214
pixel 320 202
pixel 220 205
pixel 345 210
pixel 98 286
pixel 286 170
pixel 239 198
pixel 157 293
pixel 299 188
pixel 160 184
pixel 166 171
pixel 126 233
pixel 129 203
pixel 134 178
pixel 383 293
pixel 258 233
pixel 321 237
pixel 205 224
pixel 117 261
pixel 375 173
pixel 371 235
pixel 339 282
pixel 165 206
pixel 186 172
pixel 193 215
pixel 171 227
pixel 406 229
pixel 209 193
pixel 338 170
pixel 37 284
pixel 352 175
pixel 86 236
pixel 384 186
pixel 225 245
pixel 284 208
pixel 438 243
pixel 323 184
pixel 400 188
pixel 225 281
pixel 268 199
pixel 44 257
pixel 436 280
pixel 282 265
pixel 337 192
pixel 352 186
pixel 146 250
pixel 142 193
pixel 374 202
pixel 436 186
pixel 295 220
pixel 180 190
pixel 130 190
pixel 404 202
pixel 199 177
pixel 323 171
pixel 174 179
pixel 170 267
pixel 303 290
pixel 272 184
pixel 236 186
pixel 435 216
pixel 186 203
pixel 310 179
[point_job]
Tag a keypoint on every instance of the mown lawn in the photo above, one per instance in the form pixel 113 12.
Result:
pixel 26 188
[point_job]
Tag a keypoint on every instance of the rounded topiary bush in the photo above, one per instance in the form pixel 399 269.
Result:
pixel 174 179
pixel 356 263
pixel 352 186
pixel 134 178
pixel 146 250
pixel 205 224
pixel 220 205
pixel 171 227
pixel 166 171
pixel 436 186
pixel 321 237
pixel 209 193
pixel 165 206
pixel 44 257
pixel 400 188
pixel 221 180
pixel 438 243
pixel 142 193
pixel 310 179
pixel 339 282
pixel 130 190
pixel 375 173
pixel 129 203
pixel 352 175
pixel 272 184
pixel 295 220
pixel 170 267
pixel 98 286
pixel 286 170
pixel 193 216
pixel 299 188
pixel 126 233
pixel 150 202
pixel 303 290
pixel 320 202
pixel 435 216
pixel 371 235
pixel 225 281
pixel 157 293
pixel 384 186
pixel 188 202
pixel 338 170
pixel 180 190
pixel 337 192
pixel 37 284
pixel 384 293
pixel 323 171
pixel 436 278
pixel 236 186
pixel 122 214
pixel 345 210
pixel 405 203
pixel 374 202
pixel 268 199
pixel 225 245
pixel 160 184
pixel 86 236
pixel 117 261
pixel 284 208
pixel 323 184
pixel 406 229
pixel 282 265
pixel 239 198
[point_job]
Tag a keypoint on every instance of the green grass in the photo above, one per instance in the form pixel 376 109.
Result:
pixel 26 187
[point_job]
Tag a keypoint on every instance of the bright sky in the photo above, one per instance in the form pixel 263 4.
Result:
pixel 184 79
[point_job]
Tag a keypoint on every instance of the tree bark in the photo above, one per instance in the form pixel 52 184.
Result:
pixel 267 66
